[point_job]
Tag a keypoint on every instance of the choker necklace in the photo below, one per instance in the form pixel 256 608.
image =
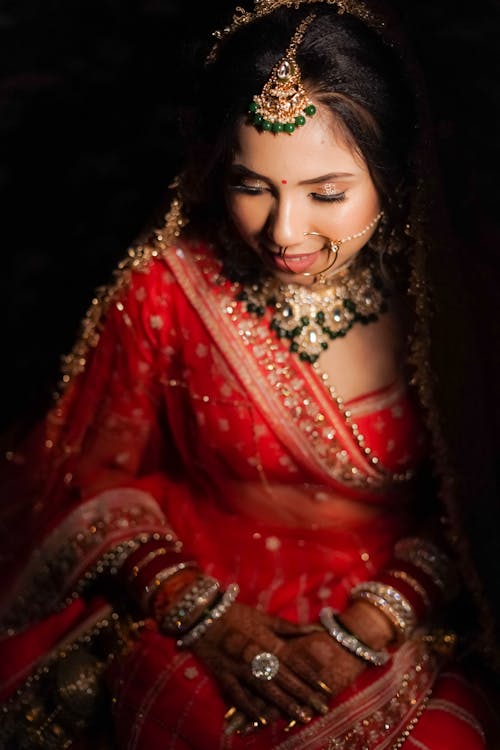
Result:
pixel 310 317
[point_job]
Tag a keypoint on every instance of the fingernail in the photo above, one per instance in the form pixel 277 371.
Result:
pixel 248 728
pixel 325 687
pixel 235 724
pixel 302 714
pixel 318 705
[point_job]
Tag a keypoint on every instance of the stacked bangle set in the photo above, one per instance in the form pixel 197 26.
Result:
pixel 185 602
pixel 407 590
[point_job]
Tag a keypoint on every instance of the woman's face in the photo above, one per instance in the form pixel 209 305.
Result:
pixel 282 187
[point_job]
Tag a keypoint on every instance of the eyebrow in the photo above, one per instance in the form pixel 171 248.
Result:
pixel 241 169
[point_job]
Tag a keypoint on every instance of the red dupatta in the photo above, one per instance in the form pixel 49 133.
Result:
pixel 181 404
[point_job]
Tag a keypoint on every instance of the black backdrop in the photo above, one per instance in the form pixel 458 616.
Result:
pixel 88 143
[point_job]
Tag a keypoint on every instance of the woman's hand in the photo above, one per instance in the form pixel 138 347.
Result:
pixel 317 655
pixel 313 666
pixel 228 648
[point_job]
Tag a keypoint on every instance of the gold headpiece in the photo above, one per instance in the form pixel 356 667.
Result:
pixel 283 104
pixel 242 17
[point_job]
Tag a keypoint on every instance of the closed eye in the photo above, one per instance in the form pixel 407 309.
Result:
pixel 331 198
pixel 247 189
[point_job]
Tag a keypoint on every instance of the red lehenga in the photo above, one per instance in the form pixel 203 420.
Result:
pixel 183 417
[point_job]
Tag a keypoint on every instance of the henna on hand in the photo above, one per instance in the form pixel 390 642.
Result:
pixel 228 648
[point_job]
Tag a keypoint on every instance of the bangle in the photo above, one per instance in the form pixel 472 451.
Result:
pixel 170 590
pixel 410 587
pixel 200 595
pixel 391 602
pixel 145 560
pixel 161 577
pixel 349 641
pixel 144 569
pixel 433 594
pixel 227 600
pixel 169 541
pixel 426 556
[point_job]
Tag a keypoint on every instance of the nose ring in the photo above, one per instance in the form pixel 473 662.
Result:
pixel 331 246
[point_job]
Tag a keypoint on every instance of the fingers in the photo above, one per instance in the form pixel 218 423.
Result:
pixel 307 669
pixel 300 691
pixel 296 680
pixel 284 628
pixel 263 701
pixel 279 686
pixel 240 721
pixel 289 707
pixel 297 690
pixel 237 722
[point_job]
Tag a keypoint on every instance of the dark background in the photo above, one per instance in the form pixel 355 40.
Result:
pixel 88 144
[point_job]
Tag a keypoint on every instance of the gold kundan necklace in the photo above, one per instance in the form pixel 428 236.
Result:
pixel 312 316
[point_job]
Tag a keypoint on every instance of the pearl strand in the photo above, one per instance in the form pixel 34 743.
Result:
pixel 356 235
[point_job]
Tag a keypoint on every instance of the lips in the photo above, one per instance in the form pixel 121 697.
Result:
pixel 298 263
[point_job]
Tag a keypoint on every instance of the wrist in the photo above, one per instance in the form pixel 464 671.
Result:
pixel 369 624
pixel 178 614
pixel 158 570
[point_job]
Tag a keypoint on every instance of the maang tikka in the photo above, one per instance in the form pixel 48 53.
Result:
pixel 283 104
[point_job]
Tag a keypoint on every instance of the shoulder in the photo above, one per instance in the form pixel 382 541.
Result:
pixel 146 303
pixel 156 266
pixel 151 286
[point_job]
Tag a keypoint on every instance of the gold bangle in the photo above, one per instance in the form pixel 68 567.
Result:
pixel 160 577
pixel 413 583
pixel 142 563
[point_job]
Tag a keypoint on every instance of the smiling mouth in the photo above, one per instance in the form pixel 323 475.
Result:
pixel 297 263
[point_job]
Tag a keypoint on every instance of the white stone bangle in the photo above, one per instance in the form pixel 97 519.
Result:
pixel 349 641
pixel 391 602
pixel 200 594
pixel 227 600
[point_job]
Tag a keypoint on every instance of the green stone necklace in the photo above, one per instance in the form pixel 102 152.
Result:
pixel 312 316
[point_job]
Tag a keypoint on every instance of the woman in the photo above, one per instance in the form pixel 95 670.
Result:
pixel 229 524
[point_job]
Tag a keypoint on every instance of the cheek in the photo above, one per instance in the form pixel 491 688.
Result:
pixel 245 213
pixel 362 208
pixel 372 199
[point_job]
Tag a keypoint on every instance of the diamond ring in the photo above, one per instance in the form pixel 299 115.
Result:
pixel 265 666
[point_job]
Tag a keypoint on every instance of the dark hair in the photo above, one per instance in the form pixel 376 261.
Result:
pixel 344 64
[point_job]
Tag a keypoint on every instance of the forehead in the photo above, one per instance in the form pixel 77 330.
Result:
pixel 319 147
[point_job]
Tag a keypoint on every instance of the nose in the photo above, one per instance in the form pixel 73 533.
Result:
pixel 286 223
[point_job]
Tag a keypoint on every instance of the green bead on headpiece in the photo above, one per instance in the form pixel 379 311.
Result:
pixel 283 105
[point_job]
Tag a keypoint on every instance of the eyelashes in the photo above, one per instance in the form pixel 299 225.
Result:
pixel 247 189
pixel 331 198
pixel 320 197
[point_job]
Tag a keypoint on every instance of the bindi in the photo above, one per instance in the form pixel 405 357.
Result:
pixel 284 182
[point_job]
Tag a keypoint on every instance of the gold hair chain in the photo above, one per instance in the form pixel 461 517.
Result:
pixel 242 17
